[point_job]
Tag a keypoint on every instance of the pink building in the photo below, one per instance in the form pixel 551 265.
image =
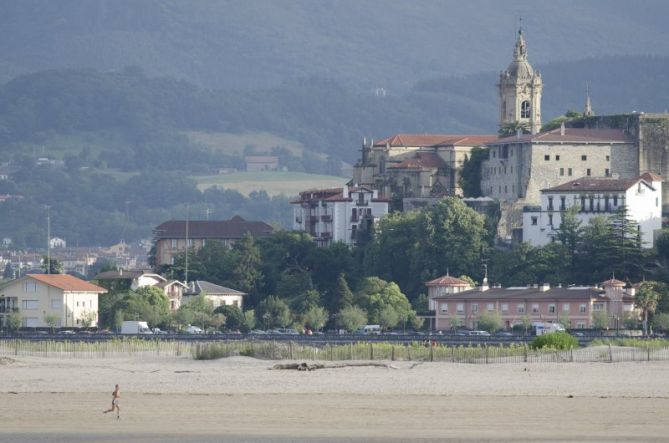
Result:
pixel 574 305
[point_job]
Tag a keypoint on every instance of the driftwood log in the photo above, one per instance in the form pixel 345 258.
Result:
pixel 313 366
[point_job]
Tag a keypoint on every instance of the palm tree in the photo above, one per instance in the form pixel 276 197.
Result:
pixel 646 299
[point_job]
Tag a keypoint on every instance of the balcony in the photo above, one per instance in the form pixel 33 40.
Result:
pixel 362 203
pixel 326 235
pixel 313 219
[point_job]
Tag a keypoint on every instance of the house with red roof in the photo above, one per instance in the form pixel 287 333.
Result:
pixel 338 214
pixel 72 301
pixel 597 196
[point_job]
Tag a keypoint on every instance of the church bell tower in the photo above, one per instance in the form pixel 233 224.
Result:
pixel 520 91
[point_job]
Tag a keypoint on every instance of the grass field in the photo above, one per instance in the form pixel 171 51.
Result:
pixel 234 144
pixel 272 182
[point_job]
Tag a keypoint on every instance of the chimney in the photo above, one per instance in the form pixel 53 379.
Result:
pixel 562 129
pixel 544 287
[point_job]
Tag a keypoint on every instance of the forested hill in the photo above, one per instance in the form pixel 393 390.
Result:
pixel 367 43
pixel 133 121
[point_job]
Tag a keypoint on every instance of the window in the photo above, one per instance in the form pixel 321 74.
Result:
pixel 174 242
pixel 460 308
pixel 598 307
pixel 444 307
pixel 606 203
pixel 30 304
pixel 525 109
pixel 354 215
pixel 592 203
pixel 490 307
pixel 204 242
pixel 550 203
pixel 561 171
pixel 520 309
pixel 587 172
pixel 607 172
pixel 580 325
pixel 569 172
pixel 584 157
pixel 56 303
pixel 562 203
pixel 511 169
pixel 31 322
pixel 608 158
pixel 551 309
pixel 581 309
pixel 547 157
pixel 565 307
pixel 30 286
pixel 535 219
pixel 475 307
pixel 535 308
pixel 550 219
pixel 505 307
pixel 615 200
pixel 557 158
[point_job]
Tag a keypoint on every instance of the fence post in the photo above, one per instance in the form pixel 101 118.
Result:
pixel 431 353
pixel 525 352
pixel 571 355
pixel 371 351
pixel 610 354
pixel 486 352
pixel 648 351
pixel 392 353
pixel 350 351
pixel 290 349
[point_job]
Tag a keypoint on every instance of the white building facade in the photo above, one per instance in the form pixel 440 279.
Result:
pixel 338 215
pixel 641 196
pixel 72 301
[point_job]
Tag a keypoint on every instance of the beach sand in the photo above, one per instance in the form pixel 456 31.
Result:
pixel 239 399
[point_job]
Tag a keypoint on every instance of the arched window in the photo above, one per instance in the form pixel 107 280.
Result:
pixel 525 109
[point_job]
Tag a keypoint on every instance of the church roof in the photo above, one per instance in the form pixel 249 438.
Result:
pixel 447 280
pixel 568 135
pixel 424 140
pixel 595 184
pixel 422 160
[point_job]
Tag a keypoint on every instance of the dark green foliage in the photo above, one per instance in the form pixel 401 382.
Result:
pixel 555 340
pixel 470 176
pixel 234 317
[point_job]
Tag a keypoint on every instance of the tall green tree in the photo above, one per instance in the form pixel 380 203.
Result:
pixel 351 318
pixel 470 175
pixel 273 312
pixel 51 265
pixel 375 295
pixel 646 299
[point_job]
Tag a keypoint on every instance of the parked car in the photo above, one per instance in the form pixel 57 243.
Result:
pixel 194 330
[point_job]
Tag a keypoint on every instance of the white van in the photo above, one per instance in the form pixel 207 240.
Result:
pixel 370 330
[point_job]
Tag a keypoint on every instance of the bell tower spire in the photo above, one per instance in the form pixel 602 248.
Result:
pixel 520 89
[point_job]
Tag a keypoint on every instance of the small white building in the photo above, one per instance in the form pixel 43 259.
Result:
pixel 642 196
pixel 217 295
pixel 338 215
pixel 57 242
pixel 71 300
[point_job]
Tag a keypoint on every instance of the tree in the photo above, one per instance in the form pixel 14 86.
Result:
pixel 197 311
pixel 646 299
pixel 246 275
pixel 315 318
pixel 274 312
pixel 470 175
pixel 51 265
pixel 490 321
pixel 569 232
pixel 51 320
pixel 342 296
pixel 512 128
pixel 375 295
pixel 249 320
pixel 351 318
pixel 661 321
pixel 234 317
pixel 88 318
pixel 416 322
pixel 600 319
pixel 8 274
pixel 454 322
pixel 388 317
pixel 421 303
pixel 14 321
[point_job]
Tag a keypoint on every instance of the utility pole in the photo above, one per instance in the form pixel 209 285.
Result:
pixel 187 245
pixel 48 239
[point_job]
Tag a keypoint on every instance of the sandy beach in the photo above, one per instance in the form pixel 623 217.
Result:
pixel 240 399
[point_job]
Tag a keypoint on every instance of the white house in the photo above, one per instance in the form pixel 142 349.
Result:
pixel 642 196
pixel 217 295
pixel 71 300
pixel 338 215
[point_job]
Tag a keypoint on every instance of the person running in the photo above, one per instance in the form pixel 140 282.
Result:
pixel 115 397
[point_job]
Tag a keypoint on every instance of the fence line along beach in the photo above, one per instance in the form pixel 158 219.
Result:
pixel 177 398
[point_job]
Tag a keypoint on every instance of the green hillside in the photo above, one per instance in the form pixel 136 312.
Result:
pixel 274 183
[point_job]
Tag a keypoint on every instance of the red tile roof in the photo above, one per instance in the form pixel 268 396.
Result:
pixel 67 282
pixel 571 135
pixel 435 140
pixel 447 280
pixel 613 282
